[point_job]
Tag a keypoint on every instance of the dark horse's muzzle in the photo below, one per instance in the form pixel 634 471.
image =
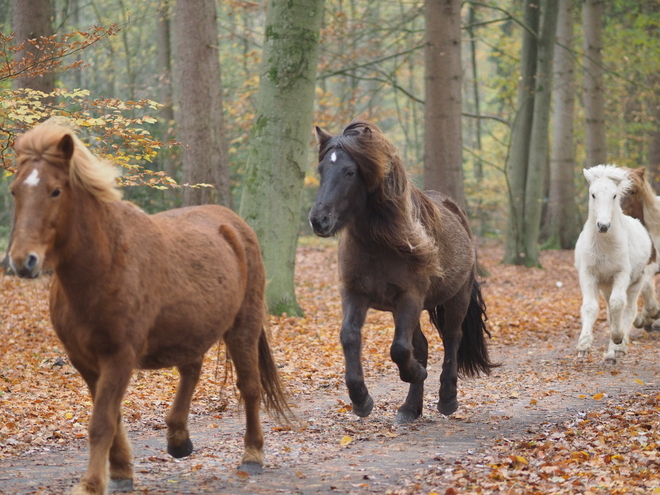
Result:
pixel 321 221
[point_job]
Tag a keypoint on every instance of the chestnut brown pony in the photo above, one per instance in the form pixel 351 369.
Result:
pixel 642 203
pixel 131 290
pixel 404 251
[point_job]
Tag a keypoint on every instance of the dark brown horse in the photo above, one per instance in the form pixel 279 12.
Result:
pixel 404 251
pixel 131 290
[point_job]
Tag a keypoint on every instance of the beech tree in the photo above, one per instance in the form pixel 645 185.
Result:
pixel 442 102
pixel 562 225
pixel 594 103
pixel 529 172
pixel 277 160
pixel 201 122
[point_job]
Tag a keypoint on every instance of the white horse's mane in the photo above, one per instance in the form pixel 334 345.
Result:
pixel 618 175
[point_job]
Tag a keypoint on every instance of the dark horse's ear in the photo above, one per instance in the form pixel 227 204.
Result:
pixel 66 146
pixel 322 136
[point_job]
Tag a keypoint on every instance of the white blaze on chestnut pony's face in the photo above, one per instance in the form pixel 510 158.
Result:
pixel 32 179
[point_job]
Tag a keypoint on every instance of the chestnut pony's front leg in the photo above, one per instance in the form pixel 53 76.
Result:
pixel 355 309
pixel 107 393
pixel 178 439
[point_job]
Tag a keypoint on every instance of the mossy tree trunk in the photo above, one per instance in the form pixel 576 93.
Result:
pixel 273 181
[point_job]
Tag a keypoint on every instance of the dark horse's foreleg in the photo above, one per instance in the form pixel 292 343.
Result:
pixel 178 439
pixel 412 407
pixel 355 311
pixel 406 321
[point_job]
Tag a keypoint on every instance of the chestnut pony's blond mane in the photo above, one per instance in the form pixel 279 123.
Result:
pixel 646 195
pixel 85 170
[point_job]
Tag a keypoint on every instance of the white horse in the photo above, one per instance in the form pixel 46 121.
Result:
pixel 611 256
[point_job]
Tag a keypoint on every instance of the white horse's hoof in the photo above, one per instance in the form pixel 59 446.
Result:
pixel 582 354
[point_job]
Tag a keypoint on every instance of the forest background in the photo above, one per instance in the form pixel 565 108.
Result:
pixel 117 69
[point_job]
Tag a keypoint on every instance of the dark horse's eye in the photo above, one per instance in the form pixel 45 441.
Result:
pixel 350 173
pixel 55 193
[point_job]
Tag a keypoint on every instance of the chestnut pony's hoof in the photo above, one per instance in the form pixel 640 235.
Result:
pixel 183 450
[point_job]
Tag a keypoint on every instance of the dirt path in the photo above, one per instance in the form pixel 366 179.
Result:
pixel 381 457
pixel 541 386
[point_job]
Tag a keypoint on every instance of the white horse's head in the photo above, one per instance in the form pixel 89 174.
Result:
pixel 607 184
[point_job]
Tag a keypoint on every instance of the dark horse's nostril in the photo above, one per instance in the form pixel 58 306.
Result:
pixel 31 261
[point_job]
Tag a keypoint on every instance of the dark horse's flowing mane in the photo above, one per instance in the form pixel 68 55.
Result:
pixel 399 213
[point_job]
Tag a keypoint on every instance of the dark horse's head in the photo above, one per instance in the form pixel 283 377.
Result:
pixel 353 168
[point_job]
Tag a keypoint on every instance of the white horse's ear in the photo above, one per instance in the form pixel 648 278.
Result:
pixel 588 174
pixel 616 180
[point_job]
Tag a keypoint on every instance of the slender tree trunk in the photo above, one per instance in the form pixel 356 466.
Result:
pixel 277 159
pixel 520 137
pixel 594 106
pixel 442 112
pixel 538 147
pixel 201 127
pixel 478 166
pixel 32 19
pixel 563 227
pixel 165 92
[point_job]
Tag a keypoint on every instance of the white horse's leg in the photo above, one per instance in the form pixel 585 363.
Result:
pixel 651 309
pixel 588 311
pixel 616 304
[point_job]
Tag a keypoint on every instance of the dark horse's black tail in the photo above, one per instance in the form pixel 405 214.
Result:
pixel 472 357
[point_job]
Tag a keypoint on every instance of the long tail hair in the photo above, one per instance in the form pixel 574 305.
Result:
pixel 472 359
pixel 271 386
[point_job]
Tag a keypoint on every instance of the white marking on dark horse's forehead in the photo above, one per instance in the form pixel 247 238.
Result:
pixel 33 178
pixel 333 157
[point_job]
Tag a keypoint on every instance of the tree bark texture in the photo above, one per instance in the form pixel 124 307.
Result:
pixel 165 88
pixel 594 105
pixel 32 19
pixel 538 146
pixel 442 108
pixel 201 126
pixel 273 181
pixel 563 226
pixel 520 136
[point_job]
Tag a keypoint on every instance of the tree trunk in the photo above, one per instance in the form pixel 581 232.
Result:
pixel 520 138
pixel 442 112
pixel 201 127
pixel 538 146
pixel 32 19
pixel 277 159
pixel 165 92
pixel 594 106
pixel 563 227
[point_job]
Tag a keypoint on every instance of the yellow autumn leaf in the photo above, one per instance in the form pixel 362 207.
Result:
pixel 69 416
pixel 639 381
pixel 598 396
pixel 345 440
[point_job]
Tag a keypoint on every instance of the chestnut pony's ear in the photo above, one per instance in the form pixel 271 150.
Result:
pixel 322 137
pixel 66 147
pixel 639 172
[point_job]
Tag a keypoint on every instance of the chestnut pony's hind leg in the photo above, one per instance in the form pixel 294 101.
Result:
pixel 242 342
pixel 178 439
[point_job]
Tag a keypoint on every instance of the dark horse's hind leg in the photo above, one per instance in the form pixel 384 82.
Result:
pixel 178 440
pixel 412 407
pixel 355 311
pixel 454 312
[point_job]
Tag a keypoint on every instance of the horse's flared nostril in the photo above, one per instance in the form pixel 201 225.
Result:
pixel 603 227
pixel 31 262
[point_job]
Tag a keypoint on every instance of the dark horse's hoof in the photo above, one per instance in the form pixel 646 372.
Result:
pixel 363 410
pixel 405 417
pixel 448 407
pixel 121 485
pixel 182 450
pixel 251 468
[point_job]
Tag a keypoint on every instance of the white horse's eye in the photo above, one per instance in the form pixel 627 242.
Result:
pixel 614 197
pixel 593 195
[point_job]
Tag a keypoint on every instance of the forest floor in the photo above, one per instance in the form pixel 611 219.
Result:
pixel 544 422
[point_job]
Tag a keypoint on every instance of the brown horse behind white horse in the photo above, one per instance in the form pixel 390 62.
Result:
pixel 131 290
